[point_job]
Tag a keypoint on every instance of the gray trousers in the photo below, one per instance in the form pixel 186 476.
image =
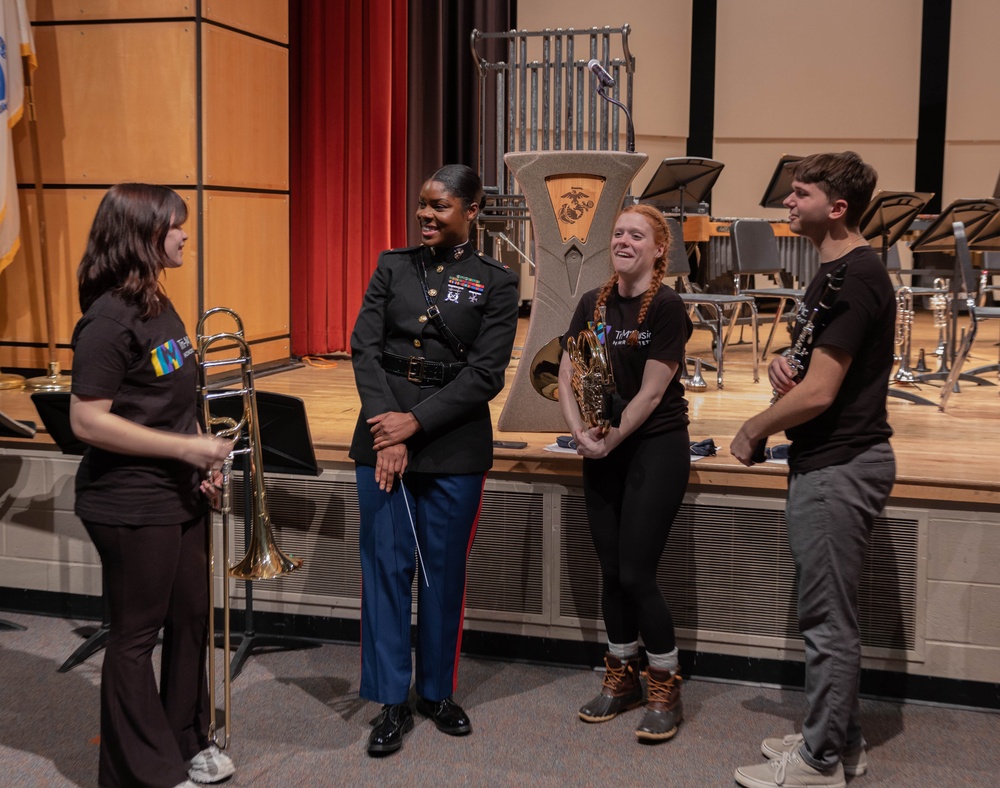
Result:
pixel 829 515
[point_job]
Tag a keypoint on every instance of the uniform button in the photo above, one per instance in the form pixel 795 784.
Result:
pixel 416 343
pixel 439 269
pixel 432 292
pixel 422 318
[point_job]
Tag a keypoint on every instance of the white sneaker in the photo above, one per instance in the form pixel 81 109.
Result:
pixel 855 761
pixel 211 765
pixel 186 784
pixel 790 771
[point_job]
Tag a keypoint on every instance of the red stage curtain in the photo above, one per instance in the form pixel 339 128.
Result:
pixel 348 159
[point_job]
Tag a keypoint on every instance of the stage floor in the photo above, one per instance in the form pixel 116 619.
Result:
pixel 951 456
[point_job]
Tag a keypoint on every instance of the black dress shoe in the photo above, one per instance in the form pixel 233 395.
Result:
pixel 447 715
pixel 390 725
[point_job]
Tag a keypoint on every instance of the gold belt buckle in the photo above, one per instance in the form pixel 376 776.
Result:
pixel 415 369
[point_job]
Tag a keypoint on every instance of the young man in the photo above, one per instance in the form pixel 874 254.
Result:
pixel 841 467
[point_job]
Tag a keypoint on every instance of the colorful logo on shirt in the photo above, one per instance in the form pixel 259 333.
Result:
pixel 170 356
pixel 601 330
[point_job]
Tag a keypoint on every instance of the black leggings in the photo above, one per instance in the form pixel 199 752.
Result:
pixel 632 497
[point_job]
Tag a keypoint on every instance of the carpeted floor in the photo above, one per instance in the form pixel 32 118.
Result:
pixel 298 721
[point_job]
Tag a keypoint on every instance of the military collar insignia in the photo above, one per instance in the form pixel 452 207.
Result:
pixel 456 253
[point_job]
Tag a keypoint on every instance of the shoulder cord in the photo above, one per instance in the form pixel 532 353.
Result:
pixel 434 314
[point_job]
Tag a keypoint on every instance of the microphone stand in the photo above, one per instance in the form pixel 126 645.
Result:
pixel 629 128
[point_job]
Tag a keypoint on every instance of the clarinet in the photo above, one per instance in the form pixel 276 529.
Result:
pixel 797 354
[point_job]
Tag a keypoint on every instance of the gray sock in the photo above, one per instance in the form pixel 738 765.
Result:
pixel 668 661
pixel 624 651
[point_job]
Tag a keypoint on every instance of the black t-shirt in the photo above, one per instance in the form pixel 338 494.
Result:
pixel 148 368
pixel 861 323
pixel 662 337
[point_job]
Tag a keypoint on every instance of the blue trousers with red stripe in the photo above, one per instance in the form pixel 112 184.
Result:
pixel 445 511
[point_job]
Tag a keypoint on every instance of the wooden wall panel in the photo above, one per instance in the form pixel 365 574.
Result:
pixel 825 71
pixel 91 10
pixel 267 18
pixel 750 163
pixel 245 84
pixel 972 148
pixel 801 78
pixel 971 169
pixel 69 214
pixel 115 102
pixel 246 246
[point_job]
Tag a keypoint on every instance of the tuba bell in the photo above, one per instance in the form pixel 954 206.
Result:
pixel 263 559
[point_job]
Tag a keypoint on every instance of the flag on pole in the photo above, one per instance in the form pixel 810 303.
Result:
pixel 16 42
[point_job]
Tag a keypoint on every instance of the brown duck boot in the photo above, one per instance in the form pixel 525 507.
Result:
pixel 622 690
pixel 664 709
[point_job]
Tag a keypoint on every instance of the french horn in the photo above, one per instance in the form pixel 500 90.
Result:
pixel 593 379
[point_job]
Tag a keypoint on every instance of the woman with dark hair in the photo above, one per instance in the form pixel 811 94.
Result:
pixel 430 346
pixel 635 474
pixel 141 495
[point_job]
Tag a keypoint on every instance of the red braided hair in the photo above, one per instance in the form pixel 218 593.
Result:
pixel 661 237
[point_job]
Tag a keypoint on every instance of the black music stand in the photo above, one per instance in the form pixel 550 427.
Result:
pixel 987 240
pixel 889 215
pixel 975 216
pixel 780 185
pixel 53 408
pixel 940 237
pixel 286 447
pixel 963 271
pixel 681 182
pixel 13 428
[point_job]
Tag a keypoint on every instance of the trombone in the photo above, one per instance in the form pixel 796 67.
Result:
pixel 263 559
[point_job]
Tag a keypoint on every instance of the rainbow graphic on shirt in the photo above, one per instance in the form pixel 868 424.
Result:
pixel 167 357
pixel 601 329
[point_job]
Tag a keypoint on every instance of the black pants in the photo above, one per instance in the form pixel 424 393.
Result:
pixel 632 497
pixel 156 577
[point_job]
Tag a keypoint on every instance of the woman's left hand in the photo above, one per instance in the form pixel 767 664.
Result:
pixel 392 428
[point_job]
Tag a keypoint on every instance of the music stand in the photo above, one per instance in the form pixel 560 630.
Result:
pixel 780 185
pixel 14 428
pixel 286 447
pixel 940 237
pixel 691 178
pixel 53 408
pixel 987 240
pixel 963 271
pixel 889 215
pixel 975 216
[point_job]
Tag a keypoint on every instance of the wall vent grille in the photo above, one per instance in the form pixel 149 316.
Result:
pixel 728 569
pixel 317 520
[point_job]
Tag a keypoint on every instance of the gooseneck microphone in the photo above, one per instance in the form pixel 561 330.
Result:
pixel 602 75
pixel 605 80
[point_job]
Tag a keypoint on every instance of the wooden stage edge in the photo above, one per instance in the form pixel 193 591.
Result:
pixel 951 457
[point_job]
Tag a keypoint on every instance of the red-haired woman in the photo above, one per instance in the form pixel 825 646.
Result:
pixel 635 474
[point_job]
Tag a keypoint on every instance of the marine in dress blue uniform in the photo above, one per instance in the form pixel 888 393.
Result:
pixel 404 362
